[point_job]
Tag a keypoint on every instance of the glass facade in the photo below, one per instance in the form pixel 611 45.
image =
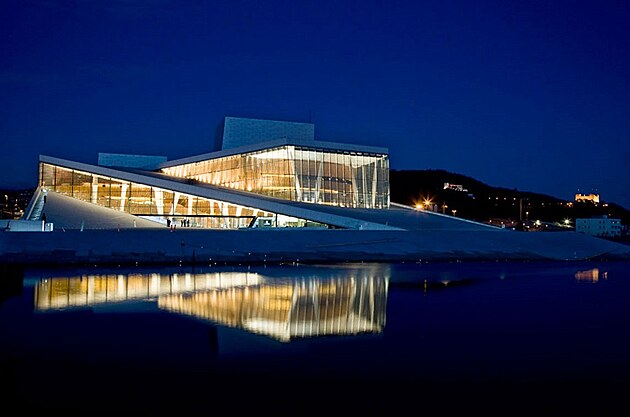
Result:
pixel 338 178
pixel 159 204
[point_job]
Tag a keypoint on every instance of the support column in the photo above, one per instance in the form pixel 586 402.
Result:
pixel 374 180
pixel 159 201
pixel 175 201
pixel 123 195
pixel 355 189
pixel 364 184
pixel 94 197
pixel 225 212
pixel 296 178
pixel 318 183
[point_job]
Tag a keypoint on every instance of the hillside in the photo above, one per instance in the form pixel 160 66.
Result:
pixel 471 199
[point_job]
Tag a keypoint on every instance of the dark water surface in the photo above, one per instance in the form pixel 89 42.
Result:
pixel 381 339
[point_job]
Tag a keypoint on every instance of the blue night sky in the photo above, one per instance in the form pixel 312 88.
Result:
pixel 531 95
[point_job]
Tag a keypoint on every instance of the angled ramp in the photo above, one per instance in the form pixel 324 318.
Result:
pixel 69 213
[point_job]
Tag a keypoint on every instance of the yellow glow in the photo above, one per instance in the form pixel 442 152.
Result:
pixel 304 307
pixel 591 275
pixel 587 197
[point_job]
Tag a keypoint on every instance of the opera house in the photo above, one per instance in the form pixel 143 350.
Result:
pixel 262 165
pixel 272 193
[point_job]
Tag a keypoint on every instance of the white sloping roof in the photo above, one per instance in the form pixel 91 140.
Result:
pixel 69 213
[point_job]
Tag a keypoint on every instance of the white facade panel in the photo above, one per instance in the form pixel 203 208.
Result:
pixel 241 131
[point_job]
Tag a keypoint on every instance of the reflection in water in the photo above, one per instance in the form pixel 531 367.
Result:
pixel 590 275
pixel 351 302
pixel 302 308
pixel 89 290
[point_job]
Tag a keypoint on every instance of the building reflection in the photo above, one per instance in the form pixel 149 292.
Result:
pixel 350 302
pixel 591 275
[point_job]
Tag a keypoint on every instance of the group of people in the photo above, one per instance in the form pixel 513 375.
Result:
pixel 172 224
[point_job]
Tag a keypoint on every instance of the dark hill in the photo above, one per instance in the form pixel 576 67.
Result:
pixel 471 199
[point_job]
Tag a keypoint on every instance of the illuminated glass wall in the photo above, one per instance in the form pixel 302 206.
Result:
pixel 158 204
pixel 346 179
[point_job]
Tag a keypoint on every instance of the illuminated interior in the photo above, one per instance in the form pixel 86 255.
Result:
pixel 159 204
pixel 346 179
pixel 283 309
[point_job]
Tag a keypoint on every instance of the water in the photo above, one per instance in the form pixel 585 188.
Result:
pixel 336 339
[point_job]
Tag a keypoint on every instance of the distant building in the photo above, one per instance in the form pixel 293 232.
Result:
pixel 599 226
pixel 593 198
pixel 456 187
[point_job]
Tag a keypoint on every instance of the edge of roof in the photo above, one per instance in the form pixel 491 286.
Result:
pixel 316 144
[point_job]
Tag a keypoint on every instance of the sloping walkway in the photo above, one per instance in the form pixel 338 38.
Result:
pixel 69 213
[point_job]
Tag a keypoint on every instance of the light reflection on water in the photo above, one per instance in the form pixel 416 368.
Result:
pixel 304 306
pixel 278 335
pixel 591 275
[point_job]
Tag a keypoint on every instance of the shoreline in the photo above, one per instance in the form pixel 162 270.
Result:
pixel 251 247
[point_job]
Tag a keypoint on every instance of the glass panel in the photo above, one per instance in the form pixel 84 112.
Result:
pixel 140 199
pixel 203 206
pixel 82 186
pixel 119 194
pixel 47 176
pixel 167 202
pixel 182 204
pixel 103 197
pixel 63 179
